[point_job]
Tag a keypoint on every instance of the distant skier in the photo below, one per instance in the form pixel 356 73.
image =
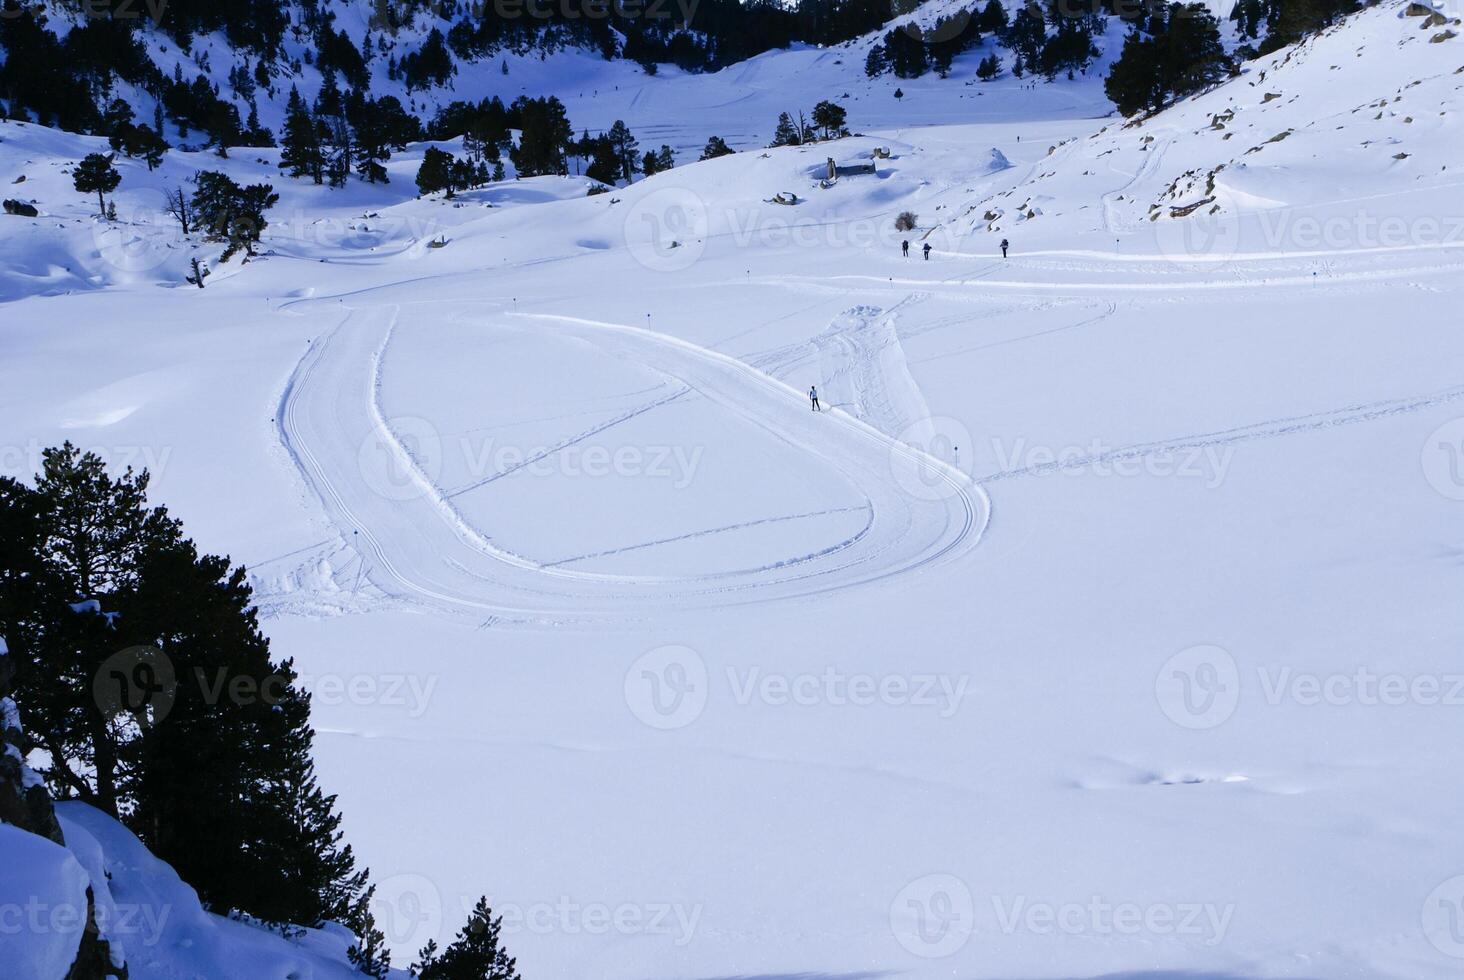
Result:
pixel 1004 246
pixel 926 249
pixel 905 248
pixel 813 397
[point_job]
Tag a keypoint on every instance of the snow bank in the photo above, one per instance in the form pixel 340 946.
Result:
pixel 42 906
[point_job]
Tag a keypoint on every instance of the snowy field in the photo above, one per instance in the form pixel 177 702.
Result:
pixel 1106 622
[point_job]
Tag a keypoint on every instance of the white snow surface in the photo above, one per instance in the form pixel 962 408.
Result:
pixel 602 621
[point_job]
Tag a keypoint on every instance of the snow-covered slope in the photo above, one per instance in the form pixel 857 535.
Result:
pixel 526 509
pixel 151 919
pixel 1288 158
pixel 740 102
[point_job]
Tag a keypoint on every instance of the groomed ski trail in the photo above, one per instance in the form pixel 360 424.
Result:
pixel 417 547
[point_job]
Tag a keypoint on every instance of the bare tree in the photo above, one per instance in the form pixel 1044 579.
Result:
pixel 178 207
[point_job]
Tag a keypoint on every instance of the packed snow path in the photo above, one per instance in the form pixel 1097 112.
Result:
pixel 415 544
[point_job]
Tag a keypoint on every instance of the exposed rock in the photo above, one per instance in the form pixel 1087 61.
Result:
pixel 25 803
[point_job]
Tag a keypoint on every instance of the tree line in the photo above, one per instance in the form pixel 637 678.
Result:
pixel 151 693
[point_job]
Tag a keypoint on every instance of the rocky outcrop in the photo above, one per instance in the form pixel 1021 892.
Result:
pixel 25 803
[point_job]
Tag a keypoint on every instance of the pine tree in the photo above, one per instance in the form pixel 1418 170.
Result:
pixel 96 175
pixel 91 536
pixel 877 62
pixel 435 172
pixel 716 147
pixel 786 133
pixel 369 956
pixel 829 117
pixel 625 146
pixel 300 151
pixel 604 164
pixel 993 17
pixel 545 134
pixel 339 150
pixel 476 953
pixel 165 708
pixel 1184 56
pixel 372 142
pixel 304 834
pixel 231 213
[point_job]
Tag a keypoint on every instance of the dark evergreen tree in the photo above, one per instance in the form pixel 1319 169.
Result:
pixel 429 65
pixel 476 954
pixel 1026 35
pixel 829 118
pixel 993 18
pixel 716 147
pixel 230 213
pixel 1185 55
pixel 604 162
pixel 625 146
pixel 96 175
pixel 1291 20
pixel 1070 48
pixel 907 52
pixel 254 133
pixel 300 150
pixel 139 141
pixel 339 146
pixel 545 133
pixel 148 684
pixel 877 62
pixel 303 835
pixel 786 133
pixel 373 141
pixel 369 955
pixel 436 172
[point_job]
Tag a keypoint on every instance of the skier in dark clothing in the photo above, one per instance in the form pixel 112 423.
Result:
pixel 813 396
pixel 1004 246
pixel 905 248
pixel 927 251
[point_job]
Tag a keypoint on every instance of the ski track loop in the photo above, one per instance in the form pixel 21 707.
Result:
pixel 416 547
